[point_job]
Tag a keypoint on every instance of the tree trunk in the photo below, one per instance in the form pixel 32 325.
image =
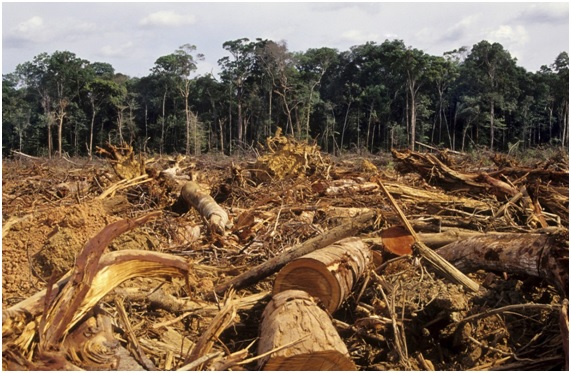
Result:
pixel 163 119
pixel 60 118
pixel 539 255
pixel 240 115
pixel 492 126
pixel 92 125
pixel 327 274
pixel 187 122
pixel 345 123
pixel 303 334
pixel 412 115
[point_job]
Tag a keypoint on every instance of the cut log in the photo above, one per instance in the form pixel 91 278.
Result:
pixel 397 240
pixel 301 335
pixel 327 274
pixel 215 215
pixel 275 264
pixel 539 255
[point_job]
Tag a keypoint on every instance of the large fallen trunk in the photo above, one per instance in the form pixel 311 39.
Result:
pixel 327 274
pixel 540 255
pixel 301 335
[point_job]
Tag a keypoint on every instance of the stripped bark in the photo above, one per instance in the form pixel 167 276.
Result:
pixel 293 318
pixel 64 311
pixel 327 274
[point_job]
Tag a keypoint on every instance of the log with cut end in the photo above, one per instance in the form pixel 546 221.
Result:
pixel 327 274
pixel 206 205
pixel 301 335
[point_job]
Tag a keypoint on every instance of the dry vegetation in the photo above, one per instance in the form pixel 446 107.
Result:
pixel 170 263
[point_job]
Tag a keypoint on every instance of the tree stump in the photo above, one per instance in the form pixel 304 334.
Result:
pixel 327 274
pixel 303 335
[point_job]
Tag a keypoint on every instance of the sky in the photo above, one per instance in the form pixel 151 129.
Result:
pixel 132 35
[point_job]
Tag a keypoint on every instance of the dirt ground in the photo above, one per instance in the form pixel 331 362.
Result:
pixel 403 317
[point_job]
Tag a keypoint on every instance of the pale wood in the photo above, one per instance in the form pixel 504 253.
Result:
pixel 293 317
pixel 215 215
pixel 275 264
pixel 327 274
pixel 223 319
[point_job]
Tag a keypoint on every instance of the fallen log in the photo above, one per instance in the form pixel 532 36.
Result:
pixel 327 274
pixel 293 319
pixel 539 255
pixel 215 215
pixel 275 264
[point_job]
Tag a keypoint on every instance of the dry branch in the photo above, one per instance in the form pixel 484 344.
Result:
pixel 223 319
pixel 275 264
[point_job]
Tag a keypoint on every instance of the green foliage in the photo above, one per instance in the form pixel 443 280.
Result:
pixel 371 97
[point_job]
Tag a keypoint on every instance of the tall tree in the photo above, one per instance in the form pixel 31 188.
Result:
pixel 100 89
pixel 33 76
pixel 235 72
pixel 561 68
pixel 313 64
pixel 493 71
pixel 67 74
pixel 414 63
pixel 180 65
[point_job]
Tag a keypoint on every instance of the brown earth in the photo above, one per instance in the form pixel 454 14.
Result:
pixel 404 317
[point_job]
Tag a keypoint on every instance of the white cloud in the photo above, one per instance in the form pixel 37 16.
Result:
pixel 117 51
pixel 29 26
pixel 30 30
pixel 510 35
pixel 547 13
pixel 358 36
pixel 460 29
pixel 167 18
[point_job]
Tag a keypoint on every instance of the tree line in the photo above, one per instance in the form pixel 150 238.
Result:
pixel 372 97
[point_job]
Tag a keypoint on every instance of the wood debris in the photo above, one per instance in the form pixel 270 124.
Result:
pixel 289 260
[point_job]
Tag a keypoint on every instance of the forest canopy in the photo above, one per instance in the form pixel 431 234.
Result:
pixel 373 97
